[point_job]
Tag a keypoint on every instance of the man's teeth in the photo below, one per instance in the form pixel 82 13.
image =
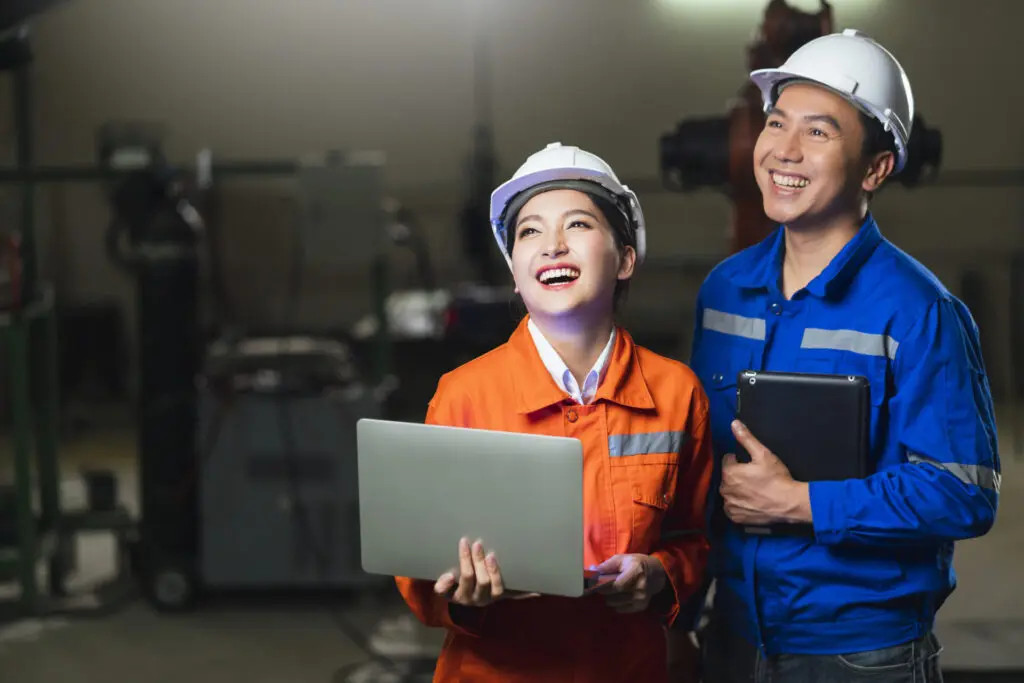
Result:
pixel 559 273
pixel 789 180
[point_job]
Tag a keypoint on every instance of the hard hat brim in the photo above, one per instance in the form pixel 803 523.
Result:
pixel 768 82
pixel 503 194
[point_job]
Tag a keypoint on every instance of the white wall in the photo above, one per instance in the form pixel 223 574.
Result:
pixel 266 78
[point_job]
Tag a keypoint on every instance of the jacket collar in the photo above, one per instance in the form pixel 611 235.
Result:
pixel 767 270
pixel 623 382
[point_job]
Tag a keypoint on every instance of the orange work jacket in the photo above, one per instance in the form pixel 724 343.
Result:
pixel 646 472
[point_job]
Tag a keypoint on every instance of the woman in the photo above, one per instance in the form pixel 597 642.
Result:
pixel 572 235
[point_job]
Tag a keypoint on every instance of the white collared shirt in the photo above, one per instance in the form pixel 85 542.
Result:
pixel 560 371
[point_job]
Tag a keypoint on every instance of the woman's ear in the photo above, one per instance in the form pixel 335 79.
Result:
pixel 627 263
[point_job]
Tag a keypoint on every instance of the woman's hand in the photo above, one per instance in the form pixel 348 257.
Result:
pixel 641 577
pixel 479 581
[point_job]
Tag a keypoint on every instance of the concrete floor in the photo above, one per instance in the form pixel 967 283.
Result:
pixel 300 640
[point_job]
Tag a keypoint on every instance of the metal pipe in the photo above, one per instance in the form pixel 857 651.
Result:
pixel 23 126
pixel 94 173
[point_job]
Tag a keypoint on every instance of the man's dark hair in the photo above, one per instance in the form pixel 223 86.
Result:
pixel 876 139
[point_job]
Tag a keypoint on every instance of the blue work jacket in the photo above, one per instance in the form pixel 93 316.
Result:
pixel 880 562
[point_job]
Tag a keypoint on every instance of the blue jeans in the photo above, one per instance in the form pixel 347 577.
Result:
pixel 730 658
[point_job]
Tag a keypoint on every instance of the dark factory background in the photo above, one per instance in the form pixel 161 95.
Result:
pixel 254 112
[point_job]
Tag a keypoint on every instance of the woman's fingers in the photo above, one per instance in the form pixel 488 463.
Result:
pixel 467 575
pixel 445 583
pixel 494 572
pixel 482 590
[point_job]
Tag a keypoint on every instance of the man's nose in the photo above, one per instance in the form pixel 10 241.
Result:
pixel 787 147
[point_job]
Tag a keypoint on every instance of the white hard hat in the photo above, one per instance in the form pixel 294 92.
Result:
pixel 857 68
pixel 556 165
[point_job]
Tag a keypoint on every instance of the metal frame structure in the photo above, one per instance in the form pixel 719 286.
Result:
pixel 29 331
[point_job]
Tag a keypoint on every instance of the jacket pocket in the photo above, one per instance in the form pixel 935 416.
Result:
pixel 829 362
pixel 653 492
pixel 718 372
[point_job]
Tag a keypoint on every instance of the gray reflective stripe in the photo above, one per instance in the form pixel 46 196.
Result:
pixel 975 475
pixel 651 442
pixel 850 340
pixel 737 325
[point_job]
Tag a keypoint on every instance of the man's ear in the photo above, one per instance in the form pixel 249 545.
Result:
pixel 879 169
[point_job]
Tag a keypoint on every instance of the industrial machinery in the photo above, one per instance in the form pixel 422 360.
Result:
pixel 28 334
pixel 246 446
pixel 198 485
pixel 154 237
pixel 717 152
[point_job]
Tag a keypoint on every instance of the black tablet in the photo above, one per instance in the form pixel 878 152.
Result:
pixel 818 425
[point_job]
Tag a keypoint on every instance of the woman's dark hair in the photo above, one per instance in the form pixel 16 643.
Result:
pixel 622 230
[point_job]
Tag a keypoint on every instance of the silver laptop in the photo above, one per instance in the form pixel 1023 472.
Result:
pixel 423 487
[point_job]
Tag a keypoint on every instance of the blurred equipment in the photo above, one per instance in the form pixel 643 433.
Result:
pixel 15 12
pixel 11 267
pixel 34 528
pixel 248 479
pixel 278 484
pixel 717 152
pixel 154 237
pixel 482 166
pixel 1016 382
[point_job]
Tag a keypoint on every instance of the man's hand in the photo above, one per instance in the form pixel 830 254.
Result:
pixel 640 578
pixel 762 491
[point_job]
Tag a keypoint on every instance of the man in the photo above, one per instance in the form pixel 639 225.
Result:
pixel 826 293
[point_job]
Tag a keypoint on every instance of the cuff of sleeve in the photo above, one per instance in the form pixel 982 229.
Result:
pixel 468 621
pixel 827 511
pixel 669 602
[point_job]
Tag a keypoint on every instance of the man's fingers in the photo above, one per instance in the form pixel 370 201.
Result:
pixel 754 447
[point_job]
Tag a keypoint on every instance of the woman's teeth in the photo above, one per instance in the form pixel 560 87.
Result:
pixel 559 274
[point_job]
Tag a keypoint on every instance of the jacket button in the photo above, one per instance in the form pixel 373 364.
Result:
pixel 776 309
pixel 572 416
pixel 664 499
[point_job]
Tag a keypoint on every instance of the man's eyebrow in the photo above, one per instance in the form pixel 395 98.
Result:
pixel 824 118
pixel 810 118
